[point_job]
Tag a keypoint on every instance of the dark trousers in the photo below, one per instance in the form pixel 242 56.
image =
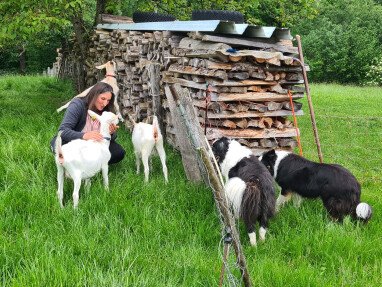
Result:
pixel 116 150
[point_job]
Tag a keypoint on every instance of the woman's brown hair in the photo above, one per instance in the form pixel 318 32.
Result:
pixel 93 94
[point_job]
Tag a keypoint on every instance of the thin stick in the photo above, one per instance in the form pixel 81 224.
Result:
pixel 226 249
pixel 227 217
pixel 295 122
pixel 311 110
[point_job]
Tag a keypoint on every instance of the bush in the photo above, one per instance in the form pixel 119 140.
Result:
pixel 341 43
pixel 374 75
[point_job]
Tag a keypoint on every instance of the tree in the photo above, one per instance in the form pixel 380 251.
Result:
pixel 343 41
pixel 24 21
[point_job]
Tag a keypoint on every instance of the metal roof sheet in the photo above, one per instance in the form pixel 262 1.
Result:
pixel 212 26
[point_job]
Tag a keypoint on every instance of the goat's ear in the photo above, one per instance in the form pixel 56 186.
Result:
pixel 100 67
pixel 93 114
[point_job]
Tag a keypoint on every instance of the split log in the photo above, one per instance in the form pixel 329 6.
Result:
pixel 273 106
pixel 188 43
pixel 243 123
pixel 253 123
pixel 278 124
pixel 287 142
pixel 265 122
pixel 238 75
pixel 268 143
pixel 198 71
pixel 296 105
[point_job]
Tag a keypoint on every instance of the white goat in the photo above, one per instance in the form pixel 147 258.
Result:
pixel 145 137
pixel 82 159
pixel 110 78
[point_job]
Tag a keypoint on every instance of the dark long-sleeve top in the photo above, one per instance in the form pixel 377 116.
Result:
pixel 74 121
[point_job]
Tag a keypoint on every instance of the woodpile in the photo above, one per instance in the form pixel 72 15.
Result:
pixel 241 88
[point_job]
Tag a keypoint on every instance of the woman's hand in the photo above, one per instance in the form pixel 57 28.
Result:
pixel 113 128
pixel 93 135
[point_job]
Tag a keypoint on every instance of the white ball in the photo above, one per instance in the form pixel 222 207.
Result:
pixel 363 210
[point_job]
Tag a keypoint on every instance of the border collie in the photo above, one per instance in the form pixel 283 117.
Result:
pixel 249 187
pixel 336 186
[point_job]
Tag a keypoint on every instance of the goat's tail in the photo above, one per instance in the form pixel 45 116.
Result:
pixel 63 107
pixel 81 95
pixel 156 129
pixel 58 148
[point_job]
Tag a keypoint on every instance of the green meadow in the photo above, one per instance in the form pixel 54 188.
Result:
pixel 170 235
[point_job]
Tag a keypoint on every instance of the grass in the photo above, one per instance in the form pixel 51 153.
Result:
pixel 169 235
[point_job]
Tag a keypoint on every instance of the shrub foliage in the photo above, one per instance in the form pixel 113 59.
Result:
pixel 341 43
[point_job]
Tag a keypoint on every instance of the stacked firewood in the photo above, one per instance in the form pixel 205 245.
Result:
pixel 241 88
pixel 241 93
pixel 140 57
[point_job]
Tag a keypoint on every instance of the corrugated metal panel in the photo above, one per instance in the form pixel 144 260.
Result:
pixel 259 31
pixel 218 26
pixel 211 26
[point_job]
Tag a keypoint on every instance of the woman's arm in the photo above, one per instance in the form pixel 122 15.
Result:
pixel 73 116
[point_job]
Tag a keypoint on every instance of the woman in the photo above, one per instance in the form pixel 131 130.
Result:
pixel 77 124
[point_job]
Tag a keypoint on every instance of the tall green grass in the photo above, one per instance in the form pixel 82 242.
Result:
pixel 169 235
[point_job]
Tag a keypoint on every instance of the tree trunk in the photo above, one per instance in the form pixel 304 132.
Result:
pixel 100 9
pixel 81 50
pixel 22 60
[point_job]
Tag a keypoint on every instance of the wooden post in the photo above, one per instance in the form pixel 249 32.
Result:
pixel 189 156
pixel 154 76
pixel 187 114
pixel 311 110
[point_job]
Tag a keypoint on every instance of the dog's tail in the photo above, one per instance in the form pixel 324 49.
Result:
pixel 58 148
pixel 363 211
pixel 251 204
pixel 156 129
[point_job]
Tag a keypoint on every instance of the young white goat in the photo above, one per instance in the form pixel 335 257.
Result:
pixel 82 159
pixel 145 137
pixel 110 78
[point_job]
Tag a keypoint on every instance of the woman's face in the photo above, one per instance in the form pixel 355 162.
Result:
pixel 102 101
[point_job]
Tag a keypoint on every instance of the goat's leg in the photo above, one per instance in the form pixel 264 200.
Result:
pixel 76 190
pixel 87 184
pixel 116 107
pixel 105 171
pixel 162 156
pixel 60 181
pixel 137 160
pixel 145 161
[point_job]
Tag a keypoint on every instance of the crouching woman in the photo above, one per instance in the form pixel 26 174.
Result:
pixel 77 124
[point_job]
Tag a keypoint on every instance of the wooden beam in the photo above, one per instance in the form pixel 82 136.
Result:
pixel 214 133
pixel 256 97
pixel 249 42
pixel 249 114
pixel 191 84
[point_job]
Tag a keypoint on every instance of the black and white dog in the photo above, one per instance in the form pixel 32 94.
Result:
pixel 336 186
pixel 249 187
